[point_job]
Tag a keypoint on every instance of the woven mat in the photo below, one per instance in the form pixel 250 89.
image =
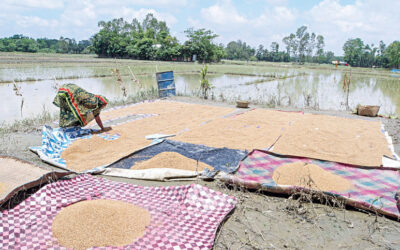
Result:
pixel 16 175
pixel 372 189
pixel 182 217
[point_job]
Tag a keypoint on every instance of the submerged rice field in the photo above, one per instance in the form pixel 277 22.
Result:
pixel 313 86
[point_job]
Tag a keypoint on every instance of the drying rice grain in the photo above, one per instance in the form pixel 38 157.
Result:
pixel 172 160
pixel 99 223
pixel 256 129
pixel 351 141
pixel 14 173
pixel 309 176
pixel 174 117
pixel 2 188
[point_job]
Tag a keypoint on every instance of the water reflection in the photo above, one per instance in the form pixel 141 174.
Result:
pixel 320 90
pixel 314 90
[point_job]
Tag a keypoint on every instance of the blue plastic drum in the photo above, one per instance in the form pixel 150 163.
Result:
pixel 166 84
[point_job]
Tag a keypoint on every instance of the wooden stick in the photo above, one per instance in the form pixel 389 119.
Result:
pixel 133 75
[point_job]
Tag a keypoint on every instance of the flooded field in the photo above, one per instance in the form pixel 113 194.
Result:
pixel 309 86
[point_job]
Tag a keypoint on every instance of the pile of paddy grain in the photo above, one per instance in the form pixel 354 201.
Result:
pixel 310 176
pixel 171 160
pixel 99 223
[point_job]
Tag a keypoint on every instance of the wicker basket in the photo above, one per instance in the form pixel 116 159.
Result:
pixel 242 104
pixel 367 110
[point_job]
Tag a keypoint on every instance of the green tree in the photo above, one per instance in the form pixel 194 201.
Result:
pixel 154 29
pixel 320 48
pixel 393 54
pixel 369 57
pixel 168 48
pixel 144 49
pixel 149 39
pixel 360 55
pixel 310 47
pixel 381 58
pixel 200 43
pixel 329 57
pixel 82 45
pixel 302 37
pixel 239 50
pixel 300 45
pixel 47 45
pixel 260 53
pixel 62 45
pixel 275 52
pixel 291 44
pixel 25 44
pixel 353 51
pixel 113 38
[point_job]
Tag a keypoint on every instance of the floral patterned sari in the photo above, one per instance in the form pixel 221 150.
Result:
pixel 77 106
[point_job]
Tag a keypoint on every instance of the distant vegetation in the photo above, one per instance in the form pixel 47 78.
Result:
pixel 152 40
pixel 356 53
pixel 25 44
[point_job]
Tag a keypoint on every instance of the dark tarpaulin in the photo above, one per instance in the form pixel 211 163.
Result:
pixel 221 159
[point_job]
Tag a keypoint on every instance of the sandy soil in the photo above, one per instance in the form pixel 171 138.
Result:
pixel 266 221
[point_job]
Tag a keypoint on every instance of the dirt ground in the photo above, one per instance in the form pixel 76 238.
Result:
pixel 264 220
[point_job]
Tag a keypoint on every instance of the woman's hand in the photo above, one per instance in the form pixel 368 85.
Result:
pixel 102 130
pixel 105 129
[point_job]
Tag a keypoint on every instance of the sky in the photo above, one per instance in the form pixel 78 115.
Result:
pixel 252 21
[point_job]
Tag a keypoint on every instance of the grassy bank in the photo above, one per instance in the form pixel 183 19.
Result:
pixel 28 124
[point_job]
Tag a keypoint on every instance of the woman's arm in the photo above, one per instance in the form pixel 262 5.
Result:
pixel 100 123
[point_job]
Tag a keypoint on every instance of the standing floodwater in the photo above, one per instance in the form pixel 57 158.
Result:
pixel 273 85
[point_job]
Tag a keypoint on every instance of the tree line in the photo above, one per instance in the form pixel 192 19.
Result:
pixel 151 39
pixel 25 44
pixel 303 46
pixel 356 53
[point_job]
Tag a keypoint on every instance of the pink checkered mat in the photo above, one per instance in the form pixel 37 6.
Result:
pixel 372 189
pixel 182 217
